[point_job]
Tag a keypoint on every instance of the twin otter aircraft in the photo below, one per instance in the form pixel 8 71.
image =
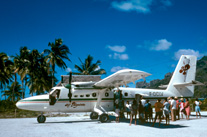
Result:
pixel 99 97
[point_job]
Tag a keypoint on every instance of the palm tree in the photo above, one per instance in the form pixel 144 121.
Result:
pixel 5 70
pixel 20 63
pixel 13 96
pixel 40 76
pixel 32 66
pixel 88 68
pixel 56 55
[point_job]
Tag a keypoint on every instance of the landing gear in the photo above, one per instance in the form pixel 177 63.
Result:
pixel 41 119
pixel 94 115
pixel 104 118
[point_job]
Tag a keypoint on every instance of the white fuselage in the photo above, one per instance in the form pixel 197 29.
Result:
pixel 84 100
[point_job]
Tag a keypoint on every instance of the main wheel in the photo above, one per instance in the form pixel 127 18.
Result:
pixel 41 119
pixel 104 118
pixel 94 115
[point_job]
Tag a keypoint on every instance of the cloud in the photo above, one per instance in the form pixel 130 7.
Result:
pixel 117 48
pixel 119 56
pixel 68 70
pixel 117 68
pixel 187 52
pixel 97 68
pixel 141 6
pixel 157 45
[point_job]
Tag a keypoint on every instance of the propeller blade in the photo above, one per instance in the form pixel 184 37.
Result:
pixel 69 87
pixel 61 79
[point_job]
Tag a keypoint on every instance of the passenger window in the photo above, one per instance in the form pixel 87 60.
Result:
pixel 87 95
pixel 106 94
pixel 75 96
pixel 94 94
pixel 81 95
pixel 125 94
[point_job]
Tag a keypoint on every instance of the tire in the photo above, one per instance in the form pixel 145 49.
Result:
pixel 94 115
pixel 104 118
pixel 41 119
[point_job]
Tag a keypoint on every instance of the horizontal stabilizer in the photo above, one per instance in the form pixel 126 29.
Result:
pixel 192 83
pixel 144 95
pixel 163 86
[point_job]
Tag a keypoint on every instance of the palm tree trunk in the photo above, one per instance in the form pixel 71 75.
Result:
pixel 53 74
pixel 15 75
pixel 4 90
pixel 23 89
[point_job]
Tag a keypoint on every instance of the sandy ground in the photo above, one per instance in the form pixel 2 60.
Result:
pixel 79 125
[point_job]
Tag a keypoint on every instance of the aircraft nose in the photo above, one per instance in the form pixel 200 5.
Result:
pixel 19 105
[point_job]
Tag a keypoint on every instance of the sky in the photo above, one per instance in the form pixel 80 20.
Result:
pixel 147 35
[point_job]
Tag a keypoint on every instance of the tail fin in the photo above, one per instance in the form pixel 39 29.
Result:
pixel 181 83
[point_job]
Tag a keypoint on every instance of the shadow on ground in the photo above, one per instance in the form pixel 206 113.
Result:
pixel 148 124
pixel 112 119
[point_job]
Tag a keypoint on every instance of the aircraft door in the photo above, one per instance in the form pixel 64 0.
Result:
pixel 118 101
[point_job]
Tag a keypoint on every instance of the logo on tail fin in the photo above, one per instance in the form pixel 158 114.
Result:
pixel 184 69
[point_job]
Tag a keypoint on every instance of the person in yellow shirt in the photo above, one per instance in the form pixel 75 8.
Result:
pixel 158 110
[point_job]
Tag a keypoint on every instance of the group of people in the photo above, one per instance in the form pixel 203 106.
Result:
pixel 171 107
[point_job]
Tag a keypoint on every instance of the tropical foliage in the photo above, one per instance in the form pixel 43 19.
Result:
pixel 89 68
pixel 6 67
pixel 13 96
pixel 56 54
pixel 35 70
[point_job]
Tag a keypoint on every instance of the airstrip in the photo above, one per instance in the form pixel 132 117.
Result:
pixel 80 125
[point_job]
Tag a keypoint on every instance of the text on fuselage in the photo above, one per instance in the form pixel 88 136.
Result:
pixel 155 93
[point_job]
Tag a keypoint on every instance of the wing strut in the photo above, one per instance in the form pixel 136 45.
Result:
pixel 98 108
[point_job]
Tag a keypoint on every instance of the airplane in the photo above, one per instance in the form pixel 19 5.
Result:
pixel 99 97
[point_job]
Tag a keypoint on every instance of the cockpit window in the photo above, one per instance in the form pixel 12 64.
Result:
pixel 54 96
pixel 56 93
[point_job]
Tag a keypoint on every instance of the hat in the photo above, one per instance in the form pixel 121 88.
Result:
pixel 175 97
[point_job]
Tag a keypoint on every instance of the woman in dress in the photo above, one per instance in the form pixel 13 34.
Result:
pixel 187 108
pixel 197 107
pixel 166 109
pixel 182 105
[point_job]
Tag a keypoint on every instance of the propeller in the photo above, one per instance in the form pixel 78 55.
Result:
pixel 70 80
pixel 69 87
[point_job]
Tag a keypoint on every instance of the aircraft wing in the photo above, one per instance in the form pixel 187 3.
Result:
pixel 192 83
pixel 121 77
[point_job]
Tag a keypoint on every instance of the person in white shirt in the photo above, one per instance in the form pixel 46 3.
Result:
pixel 173 107
pixel 128 108
pixel 197 107
pixel 143 101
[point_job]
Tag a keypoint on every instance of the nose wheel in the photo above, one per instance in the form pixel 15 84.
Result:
pixel 104 118
pixel 94 115
pixel 41 119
